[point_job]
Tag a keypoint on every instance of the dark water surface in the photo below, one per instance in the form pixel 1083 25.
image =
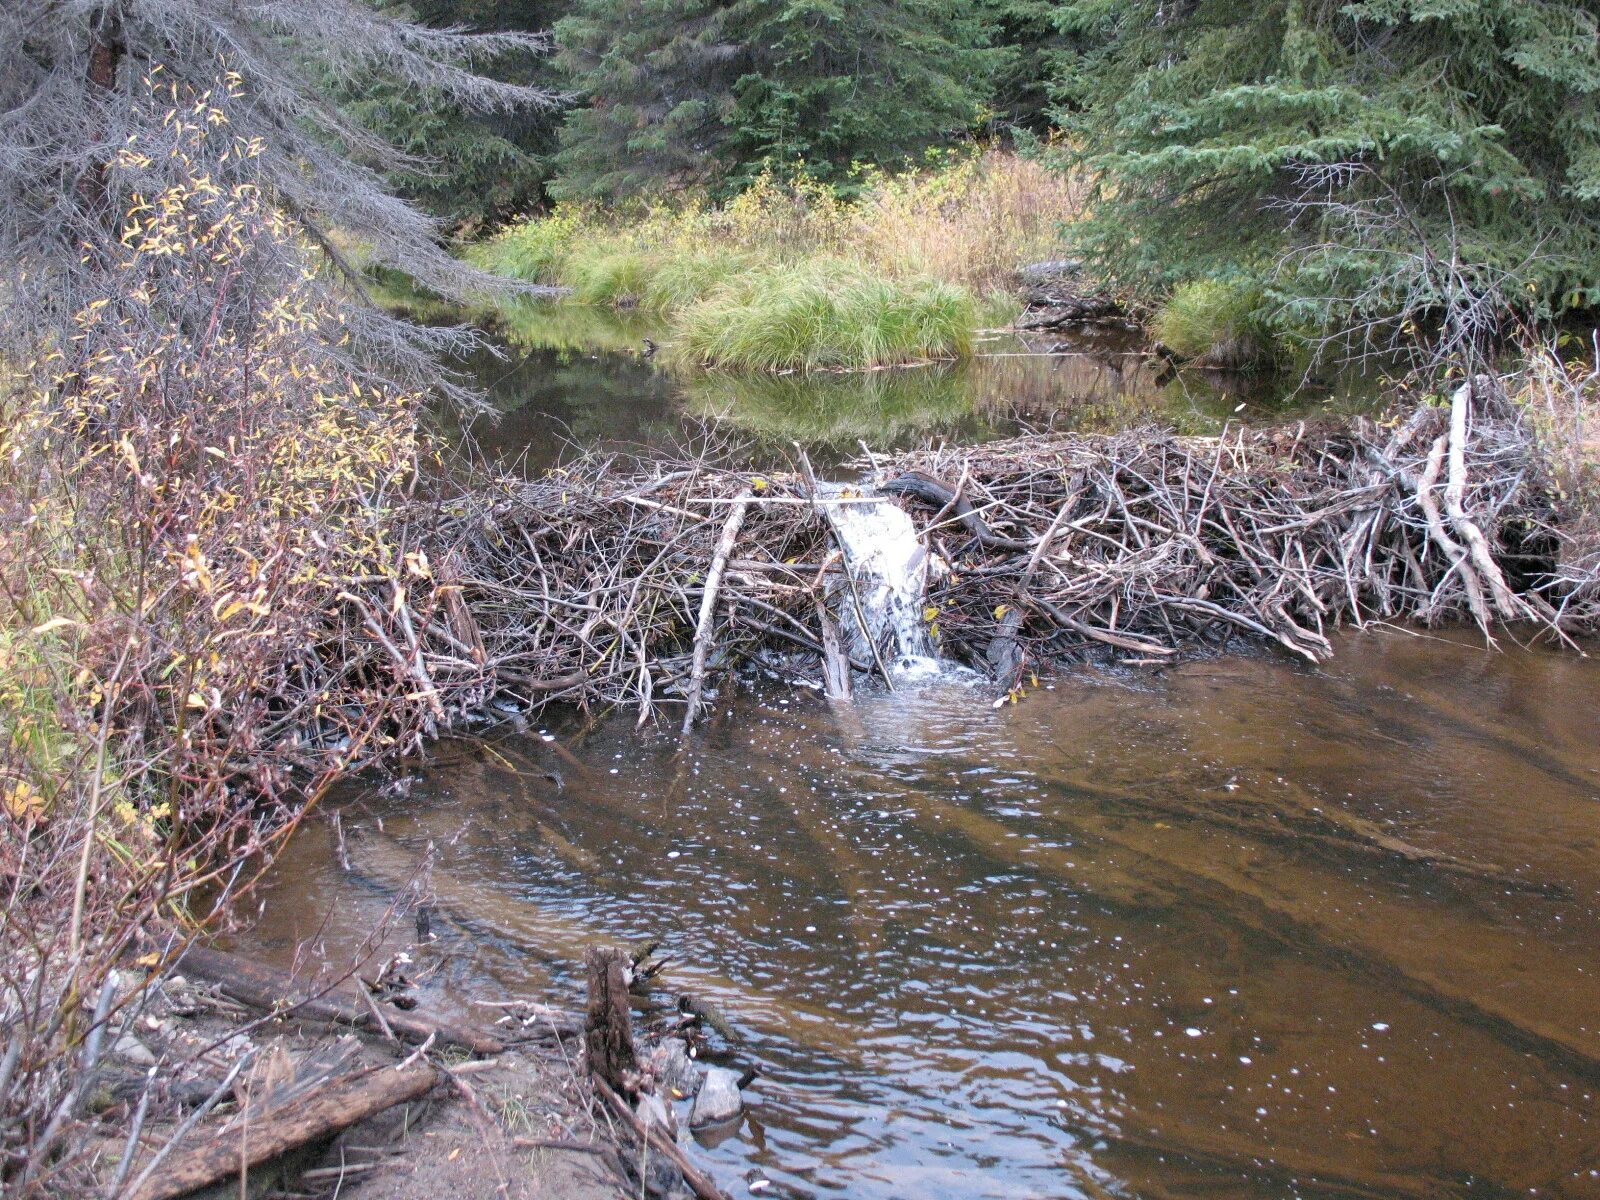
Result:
pixel 1124 938
pixel 576 377
pixel 1235 928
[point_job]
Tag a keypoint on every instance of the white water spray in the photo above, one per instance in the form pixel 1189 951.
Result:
pixel 888 566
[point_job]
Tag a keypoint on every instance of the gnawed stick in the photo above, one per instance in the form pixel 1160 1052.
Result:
pixel 1507 605
pixel 335 1106
pixel 273 992
pixel 708 606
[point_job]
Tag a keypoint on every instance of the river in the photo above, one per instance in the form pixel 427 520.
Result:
pixel 1235 927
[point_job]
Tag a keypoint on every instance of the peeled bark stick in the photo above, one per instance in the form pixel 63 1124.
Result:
pixel 263 988
pixel 708 605
pixel 1505 602
pixel 335 1106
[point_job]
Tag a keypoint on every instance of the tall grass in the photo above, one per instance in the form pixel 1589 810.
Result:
pixel 790 276
pixel 1214 323
pixel 823 313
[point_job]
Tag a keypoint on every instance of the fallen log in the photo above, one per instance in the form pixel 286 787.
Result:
pixel 251 1140
pixel 273 992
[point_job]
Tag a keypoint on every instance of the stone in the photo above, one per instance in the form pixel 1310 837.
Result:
pixel 130 1049
pixel 719 1099
pixel 675 1068
pixel 653 1111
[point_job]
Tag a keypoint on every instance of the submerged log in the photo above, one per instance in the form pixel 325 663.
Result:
pixel 274 992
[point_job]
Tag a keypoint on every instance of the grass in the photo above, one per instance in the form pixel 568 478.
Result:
pixel 788 276
pixel 1219 324
pixel 824 313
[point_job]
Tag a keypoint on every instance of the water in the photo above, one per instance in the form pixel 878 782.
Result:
pixel 576 377
pixel 1237 927
pixel 1116 940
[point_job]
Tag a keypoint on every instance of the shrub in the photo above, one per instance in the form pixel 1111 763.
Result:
pixel 198 485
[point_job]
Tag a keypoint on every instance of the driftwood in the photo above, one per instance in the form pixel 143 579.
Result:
pixel 251 1140
pixel 273 992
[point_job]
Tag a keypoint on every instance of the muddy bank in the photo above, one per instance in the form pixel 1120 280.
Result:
pixel 223 1076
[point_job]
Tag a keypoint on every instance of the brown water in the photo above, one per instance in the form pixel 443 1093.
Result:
pixel 1130 937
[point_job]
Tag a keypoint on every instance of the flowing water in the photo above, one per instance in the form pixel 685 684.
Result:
pixel 1238 927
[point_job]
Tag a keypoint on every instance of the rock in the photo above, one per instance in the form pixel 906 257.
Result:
pixel 653 1111
pixel 674 1067
pixel 718 1099
pixel 131 1050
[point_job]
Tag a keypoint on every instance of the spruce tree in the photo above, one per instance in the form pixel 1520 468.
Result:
pixel 655 83
pixel 698 94
pixel 1371 159
pixel 871 81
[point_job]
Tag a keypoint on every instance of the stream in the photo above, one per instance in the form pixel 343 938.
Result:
pixel 1235 927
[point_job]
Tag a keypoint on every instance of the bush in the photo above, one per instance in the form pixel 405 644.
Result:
pixel 1217 324
pixel 198 486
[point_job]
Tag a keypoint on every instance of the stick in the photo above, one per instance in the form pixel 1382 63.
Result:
pixel 708 604
pixel 271 991
pixel 702 1184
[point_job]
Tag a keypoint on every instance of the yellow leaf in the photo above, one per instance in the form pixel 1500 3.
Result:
pixel 21 802
pixel 759 484
pixel 930 612
pixel 1001 611
pixel 53 624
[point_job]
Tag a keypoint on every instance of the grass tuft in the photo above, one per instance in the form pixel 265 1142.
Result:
pixel 1218 324
pixel 789 276
pixel 824 313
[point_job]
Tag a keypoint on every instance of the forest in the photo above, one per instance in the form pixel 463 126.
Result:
pixel 255 559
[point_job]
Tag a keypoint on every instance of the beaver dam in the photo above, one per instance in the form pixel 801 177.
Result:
pixel 1316 918
pixel 608 581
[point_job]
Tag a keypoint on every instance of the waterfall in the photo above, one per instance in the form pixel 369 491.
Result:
pixel 889 566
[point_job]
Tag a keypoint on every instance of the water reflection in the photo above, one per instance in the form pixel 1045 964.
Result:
pixel 585 375
pixel 1112 941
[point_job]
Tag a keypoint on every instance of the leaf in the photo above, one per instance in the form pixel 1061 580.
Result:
pixel 53 624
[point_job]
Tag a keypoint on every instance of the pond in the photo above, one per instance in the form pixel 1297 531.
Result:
pixel 565 377
pixel 1235 927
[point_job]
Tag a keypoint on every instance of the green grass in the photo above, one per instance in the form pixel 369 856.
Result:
pixel 1216 324
pixel 824 313
pixel 790 276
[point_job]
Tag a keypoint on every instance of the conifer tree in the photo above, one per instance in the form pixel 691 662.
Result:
pixel 1373 157
pixel 655 84
pixel 691 94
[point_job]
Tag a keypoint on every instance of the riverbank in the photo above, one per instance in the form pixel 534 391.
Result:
pixel 790 277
